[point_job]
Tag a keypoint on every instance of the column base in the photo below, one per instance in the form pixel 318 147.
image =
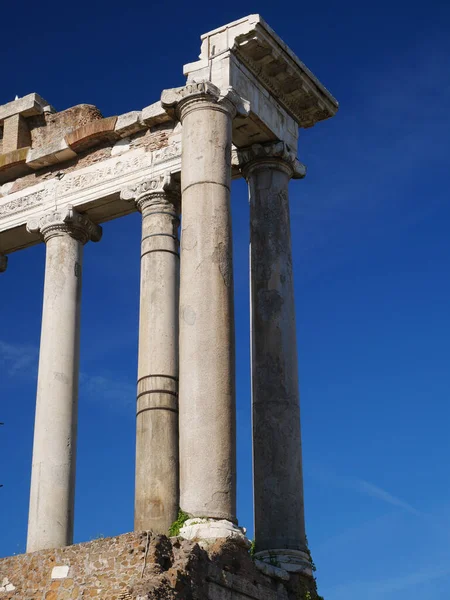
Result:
pixel 208 530
pixel 293 561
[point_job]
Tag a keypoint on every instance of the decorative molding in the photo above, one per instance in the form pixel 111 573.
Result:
pixel 260 154
pixel 161 190
pixel 175 100
pixel 109 170
pixel 23 202
pixel 93 188
pixel 65 221
pixel 303 103
pixel 207 531
pixel 292 561
pixel 164 154
pixel 257 48
pixel 171 98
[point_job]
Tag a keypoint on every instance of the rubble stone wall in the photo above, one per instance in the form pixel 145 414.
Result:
pixel 139 566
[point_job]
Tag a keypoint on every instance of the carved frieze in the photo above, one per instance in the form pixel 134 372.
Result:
pixel 23 202
pixel 163 154
pixel 103 172
pixel 81 187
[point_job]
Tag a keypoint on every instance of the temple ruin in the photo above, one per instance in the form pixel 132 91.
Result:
pixel 64 173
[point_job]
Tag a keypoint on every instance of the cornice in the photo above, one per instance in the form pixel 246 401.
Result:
pixel 292 84
pixel 253 44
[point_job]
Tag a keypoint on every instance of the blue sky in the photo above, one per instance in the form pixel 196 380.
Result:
pixel 371 251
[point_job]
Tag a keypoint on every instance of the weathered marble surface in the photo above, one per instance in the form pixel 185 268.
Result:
pixel 51 512
pixel 249 91
pixel 157 456
pixel 207 382
pixel 277 457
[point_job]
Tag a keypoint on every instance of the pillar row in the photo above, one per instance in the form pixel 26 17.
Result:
pixel 157 462
pixel 51 512
pixel 277 457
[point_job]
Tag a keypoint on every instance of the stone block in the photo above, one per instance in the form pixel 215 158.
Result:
pixel 249 56
pixel 15 134
pixel 60 572
pixel 129 123
pixel 54 153
pixel 154 114
pixel 27 106
pixel 92 134
pixel 47 128
pixel 13 164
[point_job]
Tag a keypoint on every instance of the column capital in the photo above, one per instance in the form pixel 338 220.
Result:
pixel 3 263
pixel 162 189
pixel 276 155
pixel 65 221
pixel 177 102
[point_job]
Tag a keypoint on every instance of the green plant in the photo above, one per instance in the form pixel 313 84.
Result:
pixel 174 529
pixel 252 548
pixel 273 560
pixel 308 595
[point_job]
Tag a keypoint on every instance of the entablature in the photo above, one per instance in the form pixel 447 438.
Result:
pixel 283 93
pixel 79 157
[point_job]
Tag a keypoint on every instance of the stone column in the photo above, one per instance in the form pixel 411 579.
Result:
pixel 3 263
pixel 277 459
pixel 207 353
pixel 157 464
pixel 50 522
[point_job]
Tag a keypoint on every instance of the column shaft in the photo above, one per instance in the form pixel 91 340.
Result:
pixel 277 459
pixel 51 511
pixel 157 463
pixel 207 354
pixel 53 473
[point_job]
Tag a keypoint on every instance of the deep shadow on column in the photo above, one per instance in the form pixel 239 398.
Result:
pixel 277 458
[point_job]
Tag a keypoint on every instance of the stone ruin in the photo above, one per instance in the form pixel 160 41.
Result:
pixel 64 173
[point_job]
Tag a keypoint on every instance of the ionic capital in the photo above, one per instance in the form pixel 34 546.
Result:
pixel 178 102
pixel 66 221
pixel 3 263
pixel 162 191
pixel 276 155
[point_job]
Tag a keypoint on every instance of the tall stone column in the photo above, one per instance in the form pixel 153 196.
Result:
pixel 277 458
pixel 50 523
pixel 157 464
pixel 207 352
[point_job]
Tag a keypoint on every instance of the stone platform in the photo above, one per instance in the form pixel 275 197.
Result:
pixel 144 566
